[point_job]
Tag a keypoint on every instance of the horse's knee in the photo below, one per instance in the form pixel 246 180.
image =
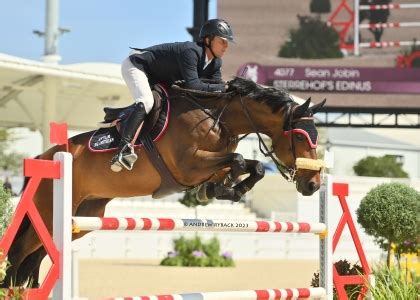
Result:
pixel 238 166
pixel 239 161
pixel 259 170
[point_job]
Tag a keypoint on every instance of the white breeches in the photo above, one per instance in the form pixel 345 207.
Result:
pixel 138 84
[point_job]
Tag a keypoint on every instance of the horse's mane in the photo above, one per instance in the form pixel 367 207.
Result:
pixel 274 97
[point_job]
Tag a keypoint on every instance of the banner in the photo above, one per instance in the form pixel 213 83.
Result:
pixel 335 79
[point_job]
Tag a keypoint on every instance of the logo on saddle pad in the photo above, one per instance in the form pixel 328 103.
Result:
pixel 108 137
pixel 105 139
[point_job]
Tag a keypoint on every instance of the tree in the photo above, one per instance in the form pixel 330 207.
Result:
pixel 390 213
pixel 6 210
pixel 385 166
pixel 313 39
pixel 9 161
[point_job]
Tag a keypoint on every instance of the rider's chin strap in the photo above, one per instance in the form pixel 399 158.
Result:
pixel 209 46
pixel 288 173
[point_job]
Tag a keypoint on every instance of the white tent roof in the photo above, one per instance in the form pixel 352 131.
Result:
pixel 82 91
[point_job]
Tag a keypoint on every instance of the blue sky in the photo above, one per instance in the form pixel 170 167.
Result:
pixel 100 30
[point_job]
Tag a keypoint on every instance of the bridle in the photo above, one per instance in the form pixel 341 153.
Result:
pixel 289 173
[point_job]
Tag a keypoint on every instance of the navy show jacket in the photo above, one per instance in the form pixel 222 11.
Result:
pixel 171 62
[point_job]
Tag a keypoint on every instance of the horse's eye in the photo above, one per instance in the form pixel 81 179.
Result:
pixel 300 137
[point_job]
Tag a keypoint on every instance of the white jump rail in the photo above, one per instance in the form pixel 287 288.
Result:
pixel 63 223
pixel 267 294
pixel 169 224
pixel 388 44
pixel 389 6
pixel 389 25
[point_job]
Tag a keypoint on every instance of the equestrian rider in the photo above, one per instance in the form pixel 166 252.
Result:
pixel 167 63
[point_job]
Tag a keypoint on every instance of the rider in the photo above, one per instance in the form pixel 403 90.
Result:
pixel 170 62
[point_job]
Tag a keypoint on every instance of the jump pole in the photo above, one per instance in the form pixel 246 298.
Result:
pixel 63 224
pixel 356 26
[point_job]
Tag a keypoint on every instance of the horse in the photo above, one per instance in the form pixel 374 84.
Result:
pixel 198 149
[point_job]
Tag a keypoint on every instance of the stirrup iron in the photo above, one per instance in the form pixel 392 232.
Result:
pixel 125 159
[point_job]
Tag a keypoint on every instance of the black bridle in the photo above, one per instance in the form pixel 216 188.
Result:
pixel 289 173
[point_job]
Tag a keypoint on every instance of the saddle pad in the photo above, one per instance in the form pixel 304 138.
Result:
pixel 108 139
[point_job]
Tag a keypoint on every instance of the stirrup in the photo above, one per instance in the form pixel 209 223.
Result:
pixel 125 158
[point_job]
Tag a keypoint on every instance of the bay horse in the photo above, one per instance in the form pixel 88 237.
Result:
pixel 198 149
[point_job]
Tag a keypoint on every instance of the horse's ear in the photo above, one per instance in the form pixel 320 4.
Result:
pixel 302 109
pixel 316 108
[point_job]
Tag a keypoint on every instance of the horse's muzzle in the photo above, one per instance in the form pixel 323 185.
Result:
pixel 307 187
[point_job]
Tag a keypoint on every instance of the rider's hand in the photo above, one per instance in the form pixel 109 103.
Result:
pixel 227 86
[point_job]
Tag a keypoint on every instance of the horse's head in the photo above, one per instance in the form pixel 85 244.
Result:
pixel 290 126
pixel 295 146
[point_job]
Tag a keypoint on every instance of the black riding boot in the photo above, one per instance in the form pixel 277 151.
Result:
pixel 126 156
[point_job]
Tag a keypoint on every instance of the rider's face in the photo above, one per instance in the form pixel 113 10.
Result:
pixel 219 46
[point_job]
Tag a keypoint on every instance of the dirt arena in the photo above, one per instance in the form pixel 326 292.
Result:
pixel 112 278
pixel 105 278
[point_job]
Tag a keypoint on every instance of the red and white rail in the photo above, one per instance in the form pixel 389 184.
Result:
pixel 266 294
pixel 59 249
pixel 389 6
pixel 64 223
pixel 170 224
pixel 389 25
pixel 386 44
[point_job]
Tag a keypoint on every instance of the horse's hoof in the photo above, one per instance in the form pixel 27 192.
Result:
pixel 202 190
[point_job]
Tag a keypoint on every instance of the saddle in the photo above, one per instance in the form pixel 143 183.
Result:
pixel 107 137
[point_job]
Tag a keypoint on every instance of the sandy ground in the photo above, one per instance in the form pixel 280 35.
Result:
pixel 100 279
pixel 107 278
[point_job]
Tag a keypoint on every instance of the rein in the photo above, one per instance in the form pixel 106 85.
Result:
pixel 288 173
pixel 195 100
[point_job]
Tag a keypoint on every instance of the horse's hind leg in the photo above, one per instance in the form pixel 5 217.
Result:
pixel 29 269
pixel 21 248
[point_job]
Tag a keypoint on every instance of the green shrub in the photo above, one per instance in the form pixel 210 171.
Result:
pixel 416 63
pixel 385 166
pixel 343 268
pixel 390 284
pixel 391 214
pixel 313 39
pixel 6 209
pixel 320 6
pixel 195 253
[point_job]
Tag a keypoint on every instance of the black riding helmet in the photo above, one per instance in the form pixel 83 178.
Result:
pixel 216 27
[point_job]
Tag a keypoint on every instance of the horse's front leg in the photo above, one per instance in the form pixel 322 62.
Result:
pixel 223 191
pixel 256 173
pixel 209 189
